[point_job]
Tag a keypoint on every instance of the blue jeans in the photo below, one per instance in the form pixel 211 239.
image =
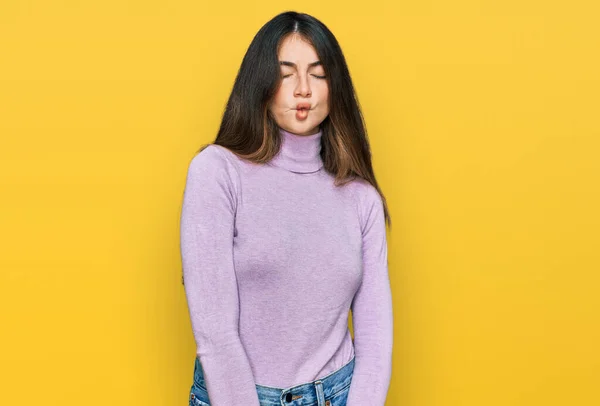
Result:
pixel 330 390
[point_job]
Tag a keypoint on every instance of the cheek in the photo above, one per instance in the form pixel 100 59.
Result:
pixel 324 98
pixel 279 99
pixel 323 91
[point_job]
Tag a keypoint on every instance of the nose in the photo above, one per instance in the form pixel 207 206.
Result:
pixel 302 87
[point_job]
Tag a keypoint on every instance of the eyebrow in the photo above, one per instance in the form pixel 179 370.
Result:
pixel 292 64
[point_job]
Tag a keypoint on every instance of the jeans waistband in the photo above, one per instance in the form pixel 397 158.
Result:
pixel 313 392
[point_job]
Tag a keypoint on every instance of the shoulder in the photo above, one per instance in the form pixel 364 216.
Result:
pixel 368 201
pixel 211 155
pixel 366 194
pixel 217 164
pixel 213 159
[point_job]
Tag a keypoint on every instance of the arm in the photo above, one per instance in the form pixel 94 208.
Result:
pixel 372 318
pixel 207 226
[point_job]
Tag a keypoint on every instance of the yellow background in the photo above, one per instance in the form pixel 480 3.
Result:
pixel 483 120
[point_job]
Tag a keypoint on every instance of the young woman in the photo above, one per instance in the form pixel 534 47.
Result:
pixel 283 231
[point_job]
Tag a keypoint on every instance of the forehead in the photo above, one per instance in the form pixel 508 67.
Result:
pixel 296 49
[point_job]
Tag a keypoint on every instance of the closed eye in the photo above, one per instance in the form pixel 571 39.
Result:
pixel 317 76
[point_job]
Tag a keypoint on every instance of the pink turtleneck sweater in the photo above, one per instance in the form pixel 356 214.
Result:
pixel 274 256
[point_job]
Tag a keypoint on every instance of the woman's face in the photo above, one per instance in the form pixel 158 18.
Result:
pixel 301 102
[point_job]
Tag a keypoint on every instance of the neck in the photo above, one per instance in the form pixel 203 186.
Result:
pixel 299 153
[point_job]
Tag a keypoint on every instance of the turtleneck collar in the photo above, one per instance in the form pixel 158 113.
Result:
pixel 299 153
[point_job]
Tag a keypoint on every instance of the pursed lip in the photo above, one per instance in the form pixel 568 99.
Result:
pixel 303 106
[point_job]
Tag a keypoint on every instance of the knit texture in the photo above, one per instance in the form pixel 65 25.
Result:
pixel 274 256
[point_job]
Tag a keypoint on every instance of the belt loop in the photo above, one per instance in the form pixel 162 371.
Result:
pixel 320 393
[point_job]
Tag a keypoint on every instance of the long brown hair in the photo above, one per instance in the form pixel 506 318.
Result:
pixel 247 127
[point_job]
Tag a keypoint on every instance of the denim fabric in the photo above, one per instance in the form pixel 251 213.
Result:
pixel 330 390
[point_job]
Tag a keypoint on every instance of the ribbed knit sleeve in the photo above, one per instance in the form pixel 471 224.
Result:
pixel 372 318
pixel 207 230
